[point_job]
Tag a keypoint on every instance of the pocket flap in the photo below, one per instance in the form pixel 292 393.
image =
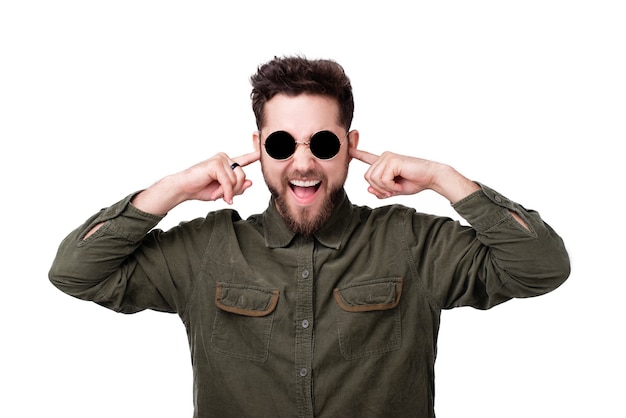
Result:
pixel 376 295
pixel 245 300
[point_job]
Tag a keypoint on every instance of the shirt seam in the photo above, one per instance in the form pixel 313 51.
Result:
pixel 193 291
pixel 405 243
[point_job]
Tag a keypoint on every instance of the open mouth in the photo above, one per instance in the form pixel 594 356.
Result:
pixel 305 190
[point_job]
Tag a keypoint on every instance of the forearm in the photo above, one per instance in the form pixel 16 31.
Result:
pixel 455 187
pixel 451 184
pixel 83 264
pixel 160 198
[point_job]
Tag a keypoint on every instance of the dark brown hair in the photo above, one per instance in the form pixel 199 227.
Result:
pixel 297 75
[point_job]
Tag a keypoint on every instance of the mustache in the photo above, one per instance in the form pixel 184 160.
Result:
pixel 311 174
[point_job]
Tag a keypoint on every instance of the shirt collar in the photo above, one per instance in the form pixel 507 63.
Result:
pixel 278 234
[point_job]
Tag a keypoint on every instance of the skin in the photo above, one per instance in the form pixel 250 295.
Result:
pixel 389 174
pixel 302 116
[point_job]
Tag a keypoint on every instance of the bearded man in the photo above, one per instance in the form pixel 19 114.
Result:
pixel 316 307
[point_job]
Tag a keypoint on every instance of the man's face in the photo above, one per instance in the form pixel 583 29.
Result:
pixel 304 187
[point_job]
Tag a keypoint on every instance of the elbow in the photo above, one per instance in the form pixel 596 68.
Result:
pixel 558 265
pixel 537 275
pixel 552 263
pixel 63 278
pixel 550 274
pixel 59 280
pixel 559 274
pixel 55 276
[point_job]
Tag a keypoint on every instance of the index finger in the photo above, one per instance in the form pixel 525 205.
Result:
pixel 366 157
pixel 244 160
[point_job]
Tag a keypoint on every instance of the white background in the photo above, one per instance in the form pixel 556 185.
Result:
pixel 99 99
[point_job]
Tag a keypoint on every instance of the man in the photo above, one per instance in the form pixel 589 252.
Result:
pixel 315 307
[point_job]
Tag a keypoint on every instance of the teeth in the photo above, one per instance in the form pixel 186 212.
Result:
pixel 305 183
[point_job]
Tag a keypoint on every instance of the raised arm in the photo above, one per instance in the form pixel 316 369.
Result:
pixel 219 177
pixel 117 258
pixel 392 174
pixel 510 253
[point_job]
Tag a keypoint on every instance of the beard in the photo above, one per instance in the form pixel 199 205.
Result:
pixel 306 221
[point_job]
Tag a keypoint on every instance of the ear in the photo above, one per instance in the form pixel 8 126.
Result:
pixel 353 141
pixel 256 140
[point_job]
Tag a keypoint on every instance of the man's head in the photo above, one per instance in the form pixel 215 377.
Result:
pixel 295 99
pixel 293 76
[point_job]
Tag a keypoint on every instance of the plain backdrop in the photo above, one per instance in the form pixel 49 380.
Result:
pixel 102 98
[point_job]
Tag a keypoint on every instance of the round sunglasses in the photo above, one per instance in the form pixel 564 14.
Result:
pixel 281 145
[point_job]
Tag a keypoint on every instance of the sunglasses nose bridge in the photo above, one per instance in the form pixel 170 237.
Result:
pixel 303 159
pixel 306 149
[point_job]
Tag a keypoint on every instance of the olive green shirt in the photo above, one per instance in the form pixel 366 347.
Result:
pixel 341 324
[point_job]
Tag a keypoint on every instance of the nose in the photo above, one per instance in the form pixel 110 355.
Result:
pixel 303 159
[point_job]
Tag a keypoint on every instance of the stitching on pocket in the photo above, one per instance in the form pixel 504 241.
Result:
pixel 370 306
pixel 233 308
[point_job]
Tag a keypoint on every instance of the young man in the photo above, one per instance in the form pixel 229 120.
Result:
pixel 315 307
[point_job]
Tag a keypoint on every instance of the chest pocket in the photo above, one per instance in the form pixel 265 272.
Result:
pixel 368 320
pixel 243 321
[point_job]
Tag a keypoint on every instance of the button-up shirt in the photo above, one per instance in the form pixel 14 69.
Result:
pixel 340 323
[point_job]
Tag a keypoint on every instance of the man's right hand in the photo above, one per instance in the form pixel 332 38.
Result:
pixel 209 180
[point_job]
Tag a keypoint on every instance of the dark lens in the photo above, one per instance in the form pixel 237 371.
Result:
pixel 280 145
pixel 325 145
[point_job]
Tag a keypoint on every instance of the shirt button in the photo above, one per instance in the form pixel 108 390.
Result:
pixel 305 274
pixel 303 372
pixel 498 199
pixel 305 324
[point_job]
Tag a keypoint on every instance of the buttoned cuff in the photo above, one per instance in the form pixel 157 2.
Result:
pixel 124 220
pixel 486 208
